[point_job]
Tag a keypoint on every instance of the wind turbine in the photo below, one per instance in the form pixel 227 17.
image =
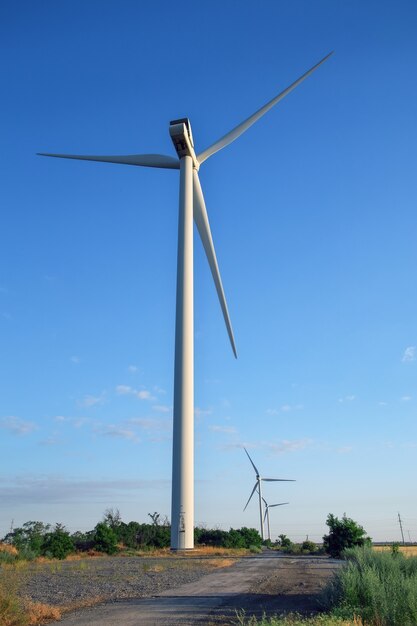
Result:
pixel 266 516
pixel 191 206
pixel 258 487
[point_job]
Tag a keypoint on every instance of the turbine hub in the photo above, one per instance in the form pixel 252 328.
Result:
pixel 182 138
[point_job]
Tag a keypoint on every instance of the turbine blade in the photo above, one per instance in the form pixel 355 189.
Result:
pixel 147 160
pixel 265 502
pixel 266 513
pixel 203 226
pixel 238 130
pixel 253 464
pixel 279 504
pixel 280 480
pixel 250 497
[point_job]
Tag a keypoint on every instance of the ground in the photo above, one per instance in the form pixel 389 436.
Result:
pixel 266 583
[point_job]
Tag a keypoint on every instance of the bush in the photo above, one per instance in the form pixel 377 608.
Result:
pixel 58 544
pixel 104 539
pixel 344 533
pixel 285 543
pixel 376 586
pixel 29 538
pixel 308 546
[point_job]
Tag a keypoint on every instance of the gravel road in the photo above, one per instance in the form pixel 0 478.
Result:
pixel 183 593
pixel 71 583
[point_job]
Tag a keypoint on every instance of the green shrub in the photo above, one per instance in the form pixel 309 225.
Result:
pixel 344 533
pixel 308 546
pixel 376 586
pixel 58 543
pixel 105 539
pixel 29 538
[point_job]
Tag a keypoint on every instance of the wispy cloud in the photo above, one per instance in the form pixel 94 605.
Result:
pixel 201 412
pixel 142 394
pixel 405 398
pixel 409 354
pixel 345 449
pixel 53 440
pixel 286 445
pixel 119 433
pixel 162 408
pixel 90 400
pixel 350 398
pixel 75 359
pixel 43 489
pixel 16 425
pixel 132 369
pixel 223 429
pixel 285 408
pixel 150 424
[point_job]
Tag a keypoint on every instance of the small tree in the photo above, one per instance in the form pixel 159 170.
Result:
pixel 58 543
pixel 285 542
pixel 105 539
pixel 344 533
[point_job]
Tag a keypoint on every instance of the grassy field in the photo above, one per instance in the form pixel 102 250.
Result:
pixel 406 550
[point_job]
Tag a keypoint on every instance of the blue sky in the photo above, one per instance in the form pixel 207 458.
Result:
pixel 313 213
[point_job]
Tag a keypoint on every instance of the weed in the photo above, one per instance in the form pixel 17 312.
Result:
pixel 379 587
pixel 294 619
pixel 12 610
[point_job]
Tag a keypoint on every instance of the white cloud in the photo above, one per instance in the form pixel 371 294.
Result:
pixel 405 398
pixel 350 398
pixel 150 424
pixel 285 408
pixel 409 354
pixel 162 408
pixel 16 425
pixel 90 400
pixel 345 449
pixel 16 490
pixel 132 369
pixel 124 389
pixel 121 433
pixel 142 394
pixel 383 403
pixel 223 429
pixel 75 359
pixel 287 445
pixel 201 412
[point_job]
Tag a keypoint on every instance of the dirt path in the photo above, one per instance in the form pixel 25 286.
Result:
pixel 269 583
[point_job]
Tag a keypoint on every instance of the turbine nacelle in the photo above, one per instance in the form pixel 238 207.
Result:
pixel 182 138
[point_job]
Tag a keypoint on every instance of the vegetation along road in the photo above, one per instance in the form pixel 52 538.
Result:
pixel 267 583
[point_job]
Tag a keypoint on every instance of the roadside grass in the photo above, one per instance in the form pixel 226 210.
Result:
pixel 294 619
pixel 379 587
pixel 18 611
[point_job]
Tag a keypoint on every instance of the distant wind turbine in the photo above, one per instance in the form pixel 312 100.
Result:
pixel 266 516
pixel 258 487
pixel 191 206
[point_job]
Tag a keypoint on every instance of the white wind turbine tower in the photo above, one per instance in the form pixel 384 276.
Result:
pixel 258 487
pixel 266 516
pixel 191 206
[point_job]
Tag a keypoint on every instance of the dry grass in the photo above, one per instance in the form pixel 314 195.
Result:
pixel 218 563
pixel 5 547
pixel 39 613
pixel 406 550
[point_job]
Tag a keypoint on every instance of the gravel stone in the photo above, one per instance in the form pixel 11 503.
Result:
pixel 66 583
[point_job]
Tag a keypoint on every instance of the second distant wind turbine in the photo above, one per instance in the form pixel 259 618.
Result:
pixel 191 207
pixel 258 487
pixel 266 516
